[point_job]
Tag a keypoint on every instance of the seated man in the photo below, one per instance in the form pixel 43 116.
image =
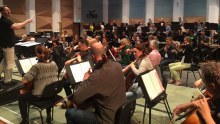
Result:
pixel 39 76
pixel 84 54
pixel 105 93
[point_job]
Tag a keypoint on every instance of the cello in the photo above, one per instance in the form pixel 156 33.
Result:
pixel 192 116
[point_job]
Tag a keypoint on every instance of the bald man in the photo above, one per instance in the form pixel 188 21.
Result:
pixel 102 89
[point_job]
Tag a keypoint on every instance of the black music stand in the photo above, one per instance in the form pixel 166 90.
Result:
pixel 153 92
pixel 212 26
pixel 175 26
pixel 189 26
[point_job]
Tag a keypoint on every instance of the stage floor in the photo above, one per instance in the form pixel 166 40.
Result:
pixel 176 95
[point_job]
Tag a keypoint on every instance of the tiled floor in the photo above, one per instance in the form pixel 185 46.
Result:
pixel 176 95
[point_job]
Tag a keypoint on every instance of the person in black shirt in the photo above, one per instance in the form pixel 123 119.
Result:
pixel 7 42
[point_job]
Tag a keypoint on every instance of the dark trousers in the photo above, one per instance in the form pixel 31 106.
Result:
pixel 68 90
pixel 23 100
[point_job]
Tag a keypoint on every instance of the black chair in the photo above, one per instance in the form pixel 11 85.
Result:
pixel 193 69
pixel 124 113
pixel 49 98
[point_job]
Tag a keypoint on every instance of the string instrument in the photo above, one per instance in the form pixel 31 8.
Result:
pixel 27 88
pixel 130 75
pixel 193 116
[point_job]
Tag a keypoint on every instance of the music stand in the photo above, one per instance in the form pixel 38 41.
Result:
pixel 69 39
pixel 189 25
pixel 175 26
pixel 212 26
pixel 153 92
pixel 145 29
pixel 76 71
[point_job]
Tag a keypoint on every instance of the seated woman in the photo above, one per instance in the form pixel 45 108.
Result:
pixel 39 76
pixel 141 64
pixel 185 62
pixel 125 58
pixel 211 78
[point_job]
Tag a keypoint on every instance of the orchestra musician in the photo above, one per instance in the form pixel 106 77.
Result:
pixel 40 75
pixel 104 88
pixel 168 54
pixel 84 54
pixel 203 45
pixel 125 58
pixel 142 64
pixel 185 62
pixel 211 78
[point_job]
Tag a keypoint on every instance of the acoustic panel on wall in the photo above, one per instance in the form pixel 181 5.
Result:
pixel 137 9
pixel 67 15
pixel 193 8
pixel 136 21
pixel 115 9
pixel 193 19
pixel 43 15
pixel 163 8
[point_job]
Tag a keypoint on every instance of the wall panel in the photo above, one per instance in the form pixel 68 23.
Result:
pixel 163 8
pixel 115 9
pixel 137 8
pixel 43 15
pixel 67 15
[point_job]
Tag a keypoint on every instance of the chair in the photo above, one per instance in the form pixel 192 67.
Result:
pixel 124 113
pixel 49 98
pixel 193 69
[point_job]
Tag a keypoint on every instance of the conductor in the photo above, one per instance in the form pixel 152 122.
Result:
pixel 7 42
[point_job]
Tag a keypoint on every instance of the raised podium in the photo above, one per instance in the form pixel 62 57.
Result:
pixel 9 93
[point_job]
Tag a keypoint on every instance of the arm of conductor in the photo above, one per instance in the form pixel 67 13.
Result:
pixel 20 25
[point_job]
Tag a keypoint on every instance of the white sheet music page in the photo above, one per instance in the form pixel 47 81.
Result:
pixel 85 67
pixel 25 65
pixel 33 60
pixel 79 70
pixel 152 84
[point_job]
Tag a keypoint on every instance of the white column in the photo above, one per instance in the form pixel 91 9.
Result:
pixel 125 11
pixel 105 11
pixel 178 9
pixel 149 10
pixel 77 10
pixel 31 13
pixel 212 11
pixel 56 17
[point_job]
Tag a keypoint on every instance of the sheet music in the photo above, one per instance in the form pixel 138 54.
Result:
pixel 27 43
pixel 78 70
pixel 152 84
pixel 33 60
pixel 25 65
